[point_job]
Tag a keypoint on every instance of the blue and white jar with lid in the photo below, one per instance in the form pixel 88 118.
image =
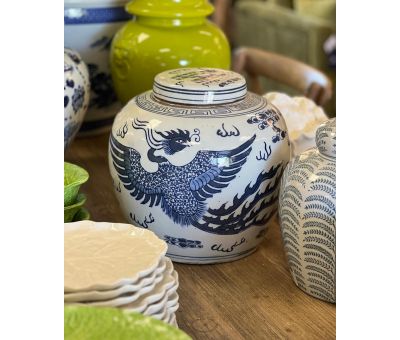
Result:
pixel 89 27
pixel 307 211
pixel 198 160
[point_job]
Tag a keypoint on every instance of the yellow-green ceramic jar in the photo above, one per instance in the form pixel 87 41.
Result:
pixel 164 34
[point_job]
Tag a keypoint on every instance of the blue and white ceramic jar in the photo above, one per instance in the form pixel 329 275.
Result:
pixel 89 27
pixel 76 94
pixel 307 210
pixel 198 160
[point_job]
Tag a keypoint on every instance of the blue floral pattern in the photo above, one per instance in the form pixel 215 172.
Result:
pixel 76 94
pixel 268 118
pixel 182 242
pixel 78 98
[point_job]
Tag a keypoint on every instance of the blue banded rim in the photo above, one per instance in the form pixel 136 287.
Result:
pixel 75 16
pixel 199 86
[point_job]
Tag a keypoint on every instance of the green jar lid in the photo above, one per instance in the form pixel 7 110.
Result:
pixel 170 8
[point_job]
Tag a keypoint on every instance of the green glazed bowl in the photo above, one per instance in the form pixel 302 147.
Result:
pixel 81 215
pixel 71 211
pixel 74 177
pixel 93 323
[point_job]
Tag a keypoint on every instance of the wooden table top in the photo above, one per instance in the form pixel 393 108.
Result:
pixel 251 298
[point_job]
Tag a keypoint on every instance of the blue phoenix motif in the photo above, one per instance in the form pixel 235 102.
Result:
pixel 182 191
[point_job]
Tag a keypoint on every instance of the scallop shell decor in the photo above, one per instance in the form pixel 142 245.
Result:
pixel 302 117
pixel 307 209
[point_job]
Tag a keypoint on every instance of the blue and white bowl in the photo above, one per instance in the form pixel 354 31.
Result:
pixel 76 94
pixel 198 160
pixel 307 211
pixel 89 26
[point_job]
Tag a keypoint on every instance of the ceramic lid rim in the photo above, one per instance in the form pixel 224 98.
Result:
pixel 198 92
pixel 94 3
pixel 199 86
pixel 206 99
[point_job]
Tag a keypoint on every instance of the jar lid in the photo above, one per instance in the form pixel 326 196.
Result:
pixel 199 86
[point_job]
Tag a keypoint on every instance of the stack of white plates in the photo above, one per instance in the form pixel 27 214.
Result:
pixel 119 265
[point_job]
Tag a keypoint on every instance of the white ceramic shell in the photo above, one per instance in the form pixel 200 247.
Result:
pixel 89 26
pixel 204 177
pixel 307 210
pixel 76 94
pixel 302 117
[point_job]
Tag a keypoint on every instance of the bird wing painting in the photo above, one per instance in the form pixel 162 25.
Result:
pixel 182 191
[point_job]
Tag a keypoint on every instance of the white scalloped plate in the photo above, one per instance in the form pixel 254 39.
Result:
pixel 157 306
pixel 173 308
pixel 167 318
pixel 100 295
pixel 121 300
pixel 172 320
pixel 165 313
pixel 161 315
pixel 131 298
pixel 104 256
pixel 172 299
pixel 170 317
pixel 139 305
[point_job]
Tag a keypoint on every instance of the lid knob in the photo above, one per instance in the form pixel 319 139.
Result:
pixel 199 86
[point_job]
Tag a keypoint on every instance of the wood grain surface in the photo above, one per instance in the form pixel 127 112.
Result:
pixel 252 298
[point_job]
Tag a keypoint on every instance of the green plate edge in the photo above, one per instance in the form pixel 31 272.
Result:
pixel 96 323
pixel 74 175
pixel 82 215
pixel 70 211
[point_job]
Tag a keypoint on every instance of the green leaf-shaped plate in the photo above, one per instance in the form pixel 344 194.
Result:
pixel 70 211
pixel 74 177
pixel 81 215
pixel 97 323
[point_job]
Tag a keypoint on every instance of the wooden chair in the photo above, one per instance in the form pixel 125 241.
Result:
pixel 223 17
pixel 304 78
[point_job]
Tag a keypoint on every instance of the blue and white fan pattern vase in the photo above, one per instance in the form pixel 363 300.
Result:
pixel 198 160
pixel 76 94
pixel 307 209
